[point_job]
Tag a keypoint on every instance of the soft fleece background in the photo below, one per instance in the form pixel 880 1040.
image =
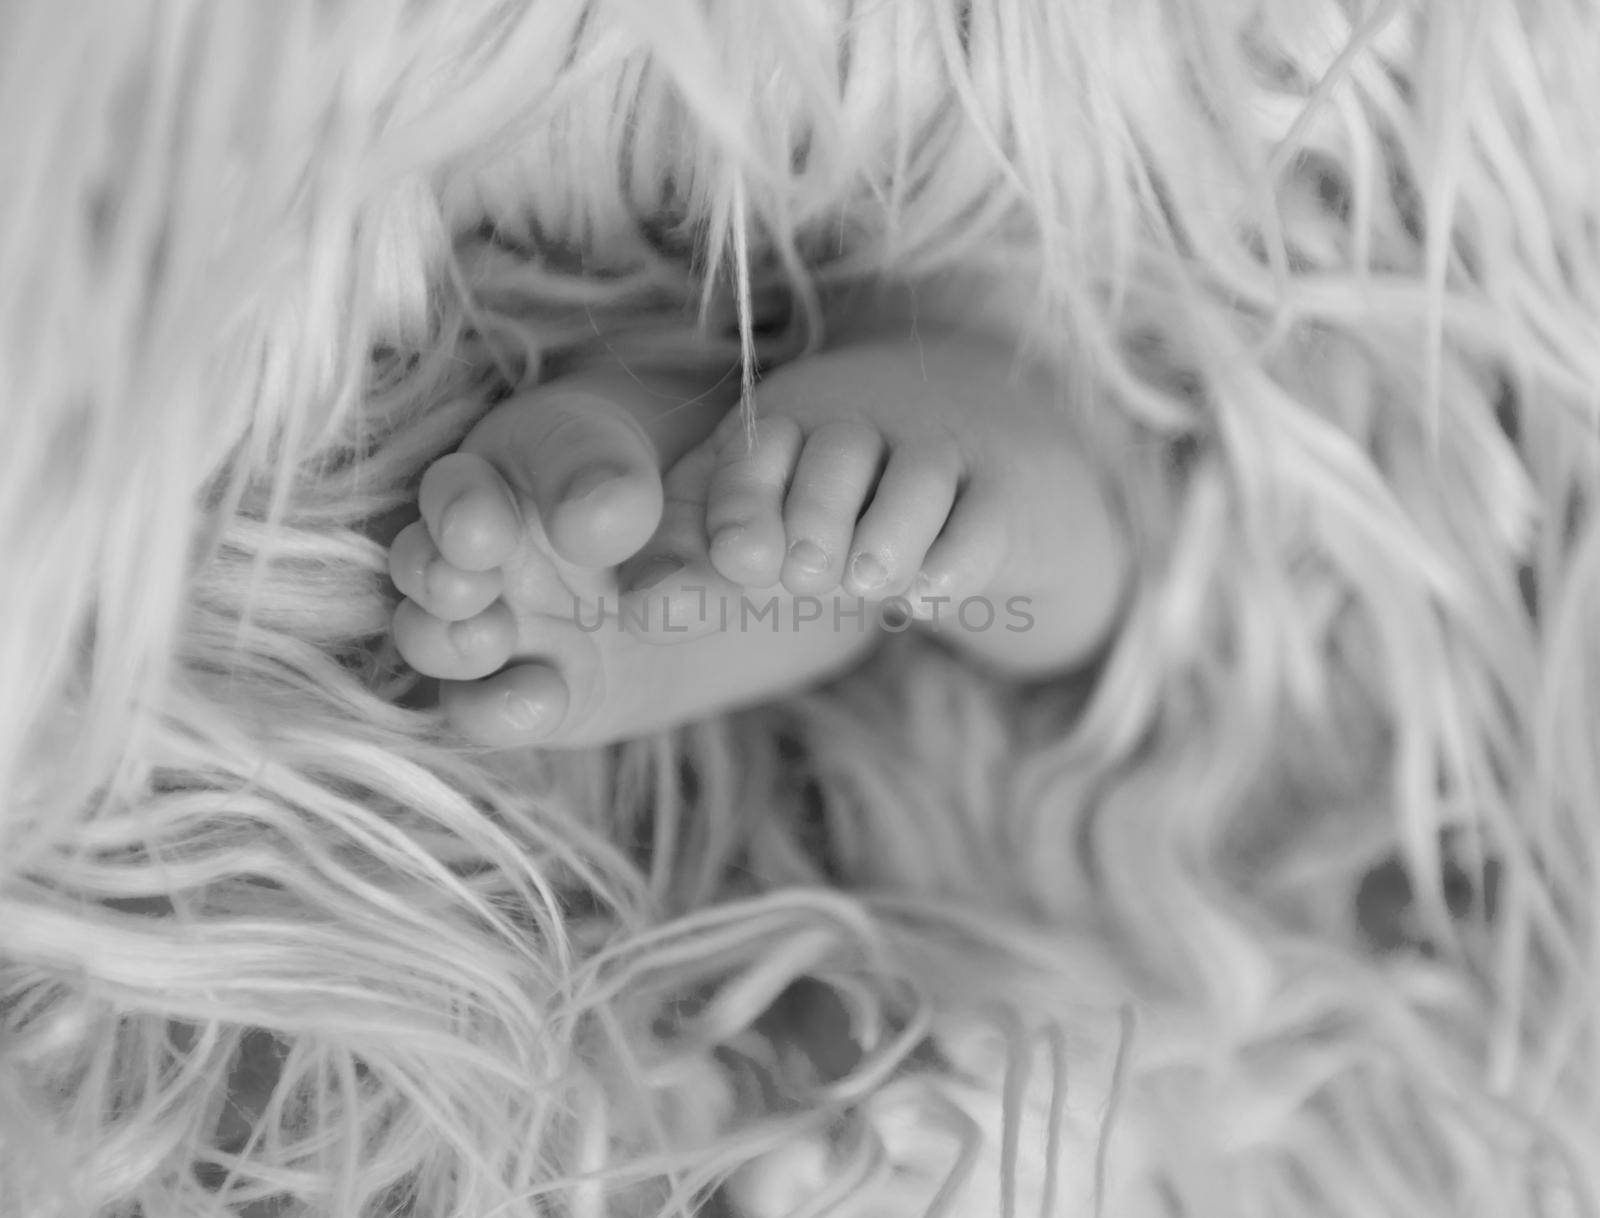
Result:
pixel 1290 909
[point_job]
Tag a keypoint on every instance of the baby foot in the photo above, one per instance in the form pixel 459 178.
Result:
pixel 540 539
pixel 928 474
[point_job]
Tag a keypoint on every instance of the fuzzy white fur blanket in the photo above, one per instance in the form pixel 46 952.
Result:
pixel 1288 908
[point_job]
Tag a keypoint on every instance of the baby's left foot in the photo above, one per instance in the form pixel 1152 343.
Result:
pixel 930 474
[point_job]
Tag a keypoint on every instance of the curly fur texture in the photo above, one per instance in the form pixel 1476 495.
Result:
pixel 1289 907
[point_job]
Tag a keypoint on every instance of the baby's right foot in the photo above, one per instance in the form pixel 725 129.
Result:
pixel 539 578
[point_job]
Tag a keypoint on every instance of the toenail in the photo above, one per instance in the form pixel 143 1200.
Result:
pixel 588 481
pixel 809 557
pixel 654 572
pixel 726 536
pixel 523 714
pixel 867 572
pixel 453 515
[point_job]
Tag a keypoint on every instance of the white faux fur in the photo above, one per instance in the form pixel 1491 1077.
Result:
pixel 1323 279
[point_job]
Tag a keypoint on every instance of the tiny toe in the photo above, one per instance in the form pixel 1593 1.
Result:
pixel 525 704
pixel 832 481
pixel 456 595
pixel 420 573
pixel 908 512
pixel 970 552
pixel 744 508
pixel 470 512
pixel 413 550
pixel 457 651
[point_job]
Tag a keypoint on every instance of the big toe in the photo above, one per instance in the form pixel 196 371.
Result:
pixel 586 466
pixel 606 513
